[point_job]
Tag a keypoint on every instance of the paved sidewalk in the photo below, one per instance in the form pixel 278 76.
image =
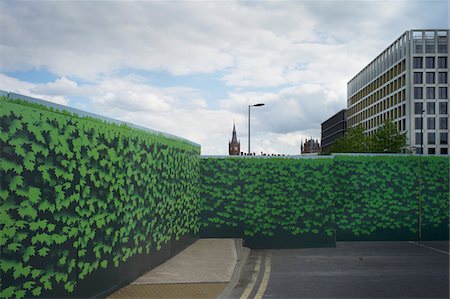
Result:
pixel 203 270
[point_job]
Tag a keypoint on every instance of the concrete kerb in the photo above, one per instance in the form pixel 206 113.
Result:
pixel 242 255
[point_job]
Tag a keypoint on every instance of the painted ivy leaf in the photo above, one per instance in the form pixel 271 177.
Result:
pixel 29 252
pixel 71 265
pixel 51 227
pixel 37 291
pixel 5 265
pixel 4 194
pixel 35 273
pixel 62 261
pixel 43 251
pixel 104 264
pixel 46 282
pixel 45 206
pixel 15 182
pixel 60 277
pixel 8 292
pixel 28 285
pixel 14 246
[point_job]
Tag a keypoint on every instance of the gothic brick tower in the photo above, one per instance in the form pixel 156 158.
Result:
pixel 234 146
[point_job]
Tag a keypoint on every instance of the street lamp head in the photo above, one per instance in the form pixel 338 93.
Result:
pixel 258 105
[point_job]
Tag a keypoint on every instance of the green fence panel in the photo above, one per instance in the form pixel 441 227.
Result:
pixel 376 197
pixel 268 202
pixel 433 178
pixel 82 197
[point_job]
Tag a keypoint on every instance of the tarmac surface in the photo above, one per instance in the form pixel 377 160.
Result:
pixel 351 270
pixel 223 268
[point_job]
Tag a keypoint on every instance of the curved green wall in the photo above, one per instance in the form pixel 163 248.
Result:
pixel 79 196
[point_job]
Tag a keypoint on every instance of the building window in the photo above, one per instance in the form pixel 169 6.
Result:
pixel 444 151
pixel 417 77
pixel 418 125
pixel 430 108
pixel 442 41
pixel 443 123
pixel 443 108
pixel 442 62
pixel 430 77
pixel 442 92
pixel 418 107
pixel 418 62
pixel 430 93
pixel 431 123
pixel 443 77
pixel 431 151
pixel 429 62
pixel 429 48
pixel 431 138
pixel 418 93
pixel 418 138
pixel 444 138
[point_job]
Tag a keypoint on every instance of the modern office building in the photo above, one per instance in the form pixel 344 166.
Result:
pixel 407 83
pixel 333 129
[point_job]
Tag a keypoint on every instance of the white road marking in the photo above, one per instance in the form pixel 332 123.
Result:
pixel 437 250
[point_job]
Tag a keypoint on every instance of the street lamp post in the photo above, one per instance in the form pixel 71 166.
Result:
pixel 421 132
pixel 256 105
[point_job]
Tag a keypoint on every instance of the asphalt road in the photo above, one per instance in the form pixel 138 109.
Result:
pixel 351 270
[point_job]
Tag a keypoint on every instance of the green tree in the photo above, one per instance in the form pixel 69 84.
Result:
pixel 387 139
pixel 354 141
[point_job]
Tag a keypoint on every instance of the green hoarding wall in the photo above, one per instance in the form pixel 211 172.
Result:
pixel 377 197
pixel 281 202
pixel 271 203
pixel 80 197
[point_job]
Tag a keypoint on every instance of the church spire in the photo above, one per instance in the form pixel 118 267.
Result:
pixel 234 137
pixel 234 146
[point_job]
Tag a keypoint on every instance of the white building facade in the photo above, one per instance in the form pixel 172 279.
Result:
pixel 408 84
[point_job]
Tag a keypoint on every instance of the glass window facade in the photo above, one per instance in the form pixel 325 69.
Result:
pixel 443 123
pixel 418 78
pixel 443 77
pixel 418 107
pixel 418 138
pixel 430 77
pixel 431 138
pixel 431 123
pixel 418 62
pixel 430 93
pixel 418 123
pixel 442 62
pixel 443 138
pixel 429 62
pixel 418 93
pixel 430 108
pixel 443 107
pixel 443 93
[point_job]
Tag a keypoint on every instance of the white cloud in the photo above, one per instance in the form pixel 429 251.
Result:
pixel 60 86
pixel 294 56
pixel 11 84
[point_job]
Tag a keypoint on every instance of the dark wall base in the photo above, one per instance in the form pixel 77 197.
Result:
pixel 378 235
pixel 103 282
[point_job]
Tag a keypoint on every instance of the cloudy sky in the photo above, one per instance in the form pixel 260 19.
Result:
pixel 192 68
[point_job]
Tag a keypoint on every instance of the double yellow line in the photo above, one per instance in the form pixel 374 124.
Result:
pixel 264 281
